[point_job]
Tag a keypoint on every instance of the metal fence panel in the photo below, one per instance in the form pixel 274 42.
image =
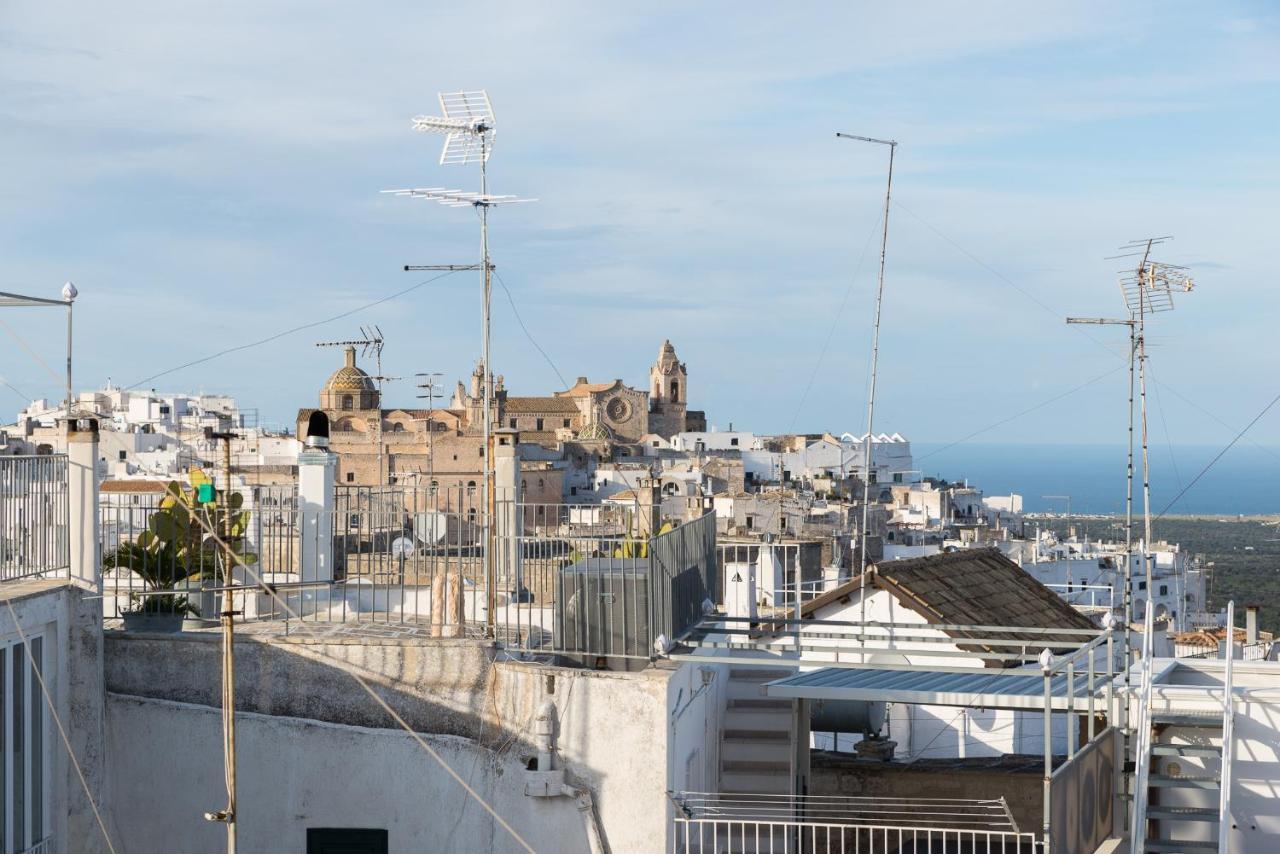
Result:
pixel 34 517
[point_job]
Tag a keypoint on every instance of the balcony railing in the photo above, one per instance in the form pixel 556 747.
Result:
pixel 587 582
pixel 34 517
pixel 781 824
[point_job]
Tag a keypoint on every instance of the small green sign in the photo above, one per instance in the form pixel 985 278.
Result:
pixel 206 494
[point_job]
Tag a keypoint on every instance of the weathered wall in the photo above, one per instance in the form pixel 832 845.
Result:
pixel 82 680
pixel 612 728
pixel 1019 782
pixel 294 774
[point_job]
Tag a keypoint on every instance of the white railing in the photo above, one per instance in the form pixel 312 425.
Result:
pixel 1142 751
pixel 1228 727
pixel 708 835
pixel 34 517
pixel 1086 597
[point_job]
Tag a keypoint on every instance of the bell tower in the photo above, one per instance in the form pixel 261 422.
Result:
pixel 668 393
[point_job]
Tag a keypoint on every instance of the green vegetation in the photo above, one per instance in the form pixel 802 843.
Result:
pixel 1245 553
pixel 177 547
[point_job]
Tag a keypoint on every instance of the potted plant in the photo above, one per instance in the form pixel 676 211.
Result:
pixel 177 552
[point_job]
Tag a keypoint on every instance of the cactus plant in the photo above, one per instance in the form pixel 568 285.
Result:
pixel 177 546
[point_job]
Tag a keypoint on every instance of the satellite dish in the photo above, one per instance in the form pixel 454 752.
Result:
pixel 402 546
pixel 431 526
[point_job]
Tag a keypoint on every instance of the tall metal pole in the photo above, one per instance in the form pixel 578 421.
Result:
pixel 875 359
pixel 228 649
pixel 69 294
pixel 69 392
pixel 1146 464
pixel 486 382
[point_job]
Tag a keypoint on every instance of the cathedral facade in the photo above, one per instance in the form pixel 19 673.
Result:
pixel 380 446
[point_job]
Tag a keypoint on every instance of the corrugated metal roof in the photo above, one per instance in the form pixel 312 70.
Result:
pixel 980 689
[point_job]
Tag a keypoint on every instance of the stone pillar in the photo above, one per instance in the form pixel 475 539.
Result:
pixel 83 541
pixel 317 468
pixel 1251 624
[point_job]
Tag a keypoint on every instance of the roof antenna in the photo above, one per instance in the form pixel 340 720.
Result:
pixel 875 358
pixel 468 125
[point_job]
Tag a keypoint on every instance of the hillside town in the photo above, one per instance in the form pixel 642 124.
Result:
pixel 285 594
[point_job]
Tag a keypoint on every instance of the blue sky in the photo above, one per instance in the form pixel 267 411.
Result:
pixel 208 176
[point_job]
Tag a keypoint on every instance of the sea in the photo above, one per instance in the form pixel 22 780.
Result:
pixel 1185 479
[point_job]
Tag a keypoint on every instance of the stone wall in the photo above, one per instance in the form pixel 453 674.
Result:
pixel 1019 780
pixel 611 734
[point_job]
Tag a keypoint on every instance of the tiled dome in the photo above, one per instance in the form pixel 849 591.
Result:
pixel 349 378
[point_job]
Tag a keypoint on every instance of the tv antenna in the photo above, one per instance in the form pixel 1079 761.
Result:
pixel 468 126
pixel 1147 289
pixel 371 340
pixel 875 358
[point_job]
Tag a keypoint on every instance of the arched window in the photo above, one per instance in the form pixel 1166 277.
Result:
pixel 348 402
pixel 675 391
pixel 397 427
pixel 471 485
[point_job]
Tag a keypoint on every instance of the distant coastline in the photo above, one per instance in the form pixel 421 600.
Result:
pixel 1244 481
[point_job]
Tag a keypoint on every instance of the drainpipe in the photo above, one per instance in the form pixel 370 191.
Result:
pixel 549 782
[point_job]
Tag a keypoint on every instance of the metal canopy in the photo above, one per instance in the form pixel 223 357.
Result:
pixel 988 689
pixel 10 300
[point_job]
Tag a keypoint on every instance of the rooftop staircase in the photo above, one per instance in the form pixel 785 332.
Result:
pixel 1182 788
pixel 756 749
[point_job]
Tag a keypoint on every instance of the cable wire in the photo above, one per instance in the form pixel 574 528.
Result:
pixel 290 331
pixel 835 322
pixel 1219 456
pixel 57 720
pixel 527 333
pixel 271 591
pixel 1027 411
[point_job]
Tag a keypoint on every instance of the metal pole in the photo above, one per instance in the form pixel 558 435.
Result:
pixel 228 651
pixel 875 357
pixel 69 392
pixel 486 382
pixel 1146 466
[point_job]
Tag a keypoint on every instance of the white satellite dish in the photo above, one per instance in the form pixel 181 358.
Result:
pixel 431 526
pixel 402 546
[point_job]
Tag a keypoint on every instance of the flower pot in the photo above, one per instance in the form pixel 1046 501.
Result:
pixel 141 621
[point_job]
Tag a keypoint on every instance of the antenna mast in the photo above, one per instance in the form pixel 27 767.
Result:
pixel 875 359
pixel 469 128
pixel 371 341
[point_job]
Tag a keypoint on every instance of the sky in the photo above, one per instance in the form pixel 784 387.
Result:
pixel 208 175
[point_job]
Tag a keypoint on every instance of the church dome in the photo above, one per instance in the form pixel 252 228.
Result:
pixel 349 387
pixel 350 378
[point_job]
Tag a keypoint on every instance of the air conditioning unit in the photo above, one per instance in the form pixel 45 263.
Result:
pixel 603 612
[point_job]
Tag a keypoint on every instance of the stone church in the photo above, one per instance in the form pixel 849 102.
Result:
pixel 604 411
pixel 375 445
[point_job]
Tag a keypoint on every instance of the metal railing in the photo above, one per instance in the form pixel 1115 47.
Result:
pixel 34 517
pixel 1228 735
pixel 1142 747
pixel 713 836
pixel 1086 597
pixel 786 824
pixel 585 581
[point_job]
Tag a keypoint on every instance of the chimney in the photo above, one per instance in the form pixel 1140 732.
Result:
pixel 317 470
pixel 1251 624
pixel 82 497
